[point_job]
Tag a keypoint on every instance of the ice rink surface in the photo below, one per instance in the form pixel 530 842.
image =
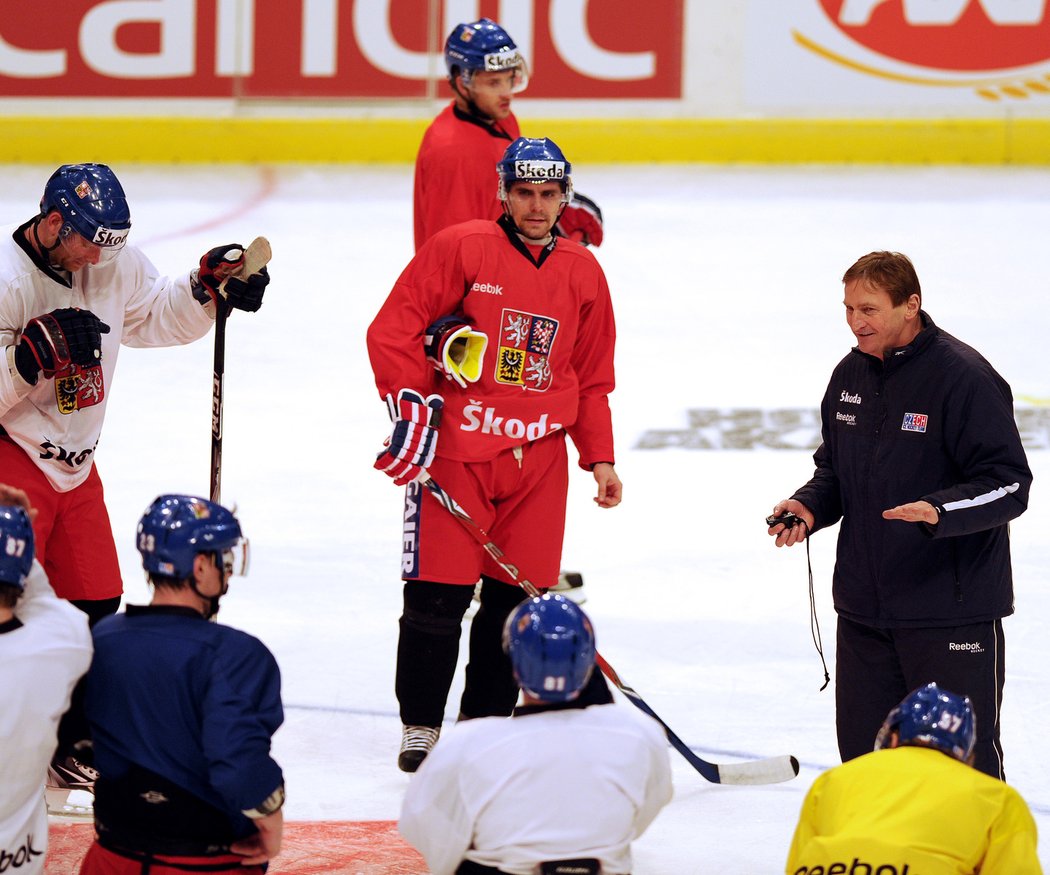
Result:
pixel 726 283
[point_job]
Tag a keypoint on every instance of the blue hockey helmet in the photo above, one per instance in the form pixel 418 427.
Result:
pixel 550 643
pixel 932 717
pixel 483 46
pixel 175 528
pixel 92 203
pixel 534 160
pixel 16 545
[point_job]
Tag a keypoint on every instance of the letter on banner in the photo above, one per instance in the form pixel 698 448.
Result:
pixel 573 42
pixel 30 63
pixel 177 20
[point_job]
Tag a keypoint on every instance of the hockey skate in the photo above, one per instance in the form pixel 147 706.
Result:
pixel 570 585
pixel 416 743
pixel 70 790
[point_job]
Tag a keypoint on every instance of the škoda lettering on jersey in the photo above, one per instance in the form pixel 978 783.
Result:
pixel 487 420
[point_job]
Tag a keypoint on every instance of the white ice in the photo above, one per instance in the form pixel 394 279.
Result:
pixel 726 284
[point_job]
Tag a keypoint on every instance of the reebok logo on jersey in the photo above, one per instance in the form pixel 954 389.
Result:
pixel 21 856
pixel 487 288
pixel 848 418
pixel 857 867
pixel 914 422
pixel 848 398
pixel 970 646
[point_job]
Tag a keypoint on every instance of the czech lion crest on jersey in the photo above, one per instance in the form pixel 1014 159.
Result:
pixel 77 388
pixel 524 350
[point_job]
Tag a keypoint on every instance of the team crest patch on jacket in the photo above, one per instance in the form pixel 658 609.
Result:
pixel 78 388
pixel 914 422
pixel 524 350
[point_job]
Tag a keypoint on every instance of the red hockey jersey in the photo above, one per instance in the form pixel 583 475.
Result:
pixel 456 171
pixel 551 335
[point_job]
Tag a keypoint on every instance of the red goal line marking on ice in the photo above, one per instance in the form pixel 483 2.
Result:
pixel 369 847
pixel 267 188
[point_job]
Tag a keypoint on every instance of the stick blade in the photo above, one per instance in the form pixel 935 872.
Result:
pixel 256 256
pixel 773 770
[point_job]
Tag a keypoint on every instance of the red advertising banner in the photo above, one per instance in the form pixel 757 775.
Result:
pixel 327 49
pixel 951 35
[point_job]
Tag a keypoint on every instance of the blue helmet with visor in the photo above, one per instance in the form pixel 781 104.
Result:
pixel 534 160
pixel 91 201
pixel 483 46
pixel 175 528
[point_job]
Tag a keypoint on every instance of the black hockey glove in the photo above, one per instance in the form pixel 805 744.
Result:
pixel 217 265
pixel 241 293
pixel 247 294
pixel 49 343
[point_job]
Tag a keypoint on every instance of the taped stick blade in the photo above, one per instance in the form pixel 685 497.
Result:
pixel 256 257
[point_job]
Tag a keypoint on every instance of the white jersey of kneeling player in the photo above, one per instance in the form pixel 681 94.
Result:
pixel 555 784
pixel 40 662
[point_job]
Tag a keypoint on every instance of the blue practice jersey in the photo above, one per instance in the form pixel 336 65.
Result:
pixel 192 701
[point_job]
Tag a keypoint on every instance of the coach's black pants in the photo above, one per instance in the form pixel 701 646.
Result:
pixel 876 668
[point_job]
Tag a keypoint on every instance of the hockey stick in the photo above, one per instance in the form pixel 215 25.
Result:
pixel 772 770
pixel 256 256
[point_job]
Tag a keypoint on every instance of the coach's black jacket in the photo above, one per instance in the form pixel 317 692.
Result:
pixel 932 422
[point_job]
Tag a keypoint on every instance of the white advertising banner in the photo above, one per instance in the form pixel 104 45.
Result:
pixel 897 57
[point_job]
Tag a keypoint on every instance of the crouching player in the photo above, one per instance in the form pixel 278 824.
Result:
pixel 564 786
pixel 915 805
pixel 182 712
pixel 45 647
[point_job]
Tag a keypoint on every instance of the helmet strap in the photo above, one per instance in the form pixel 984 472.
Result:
pixel 35 228
pixel 212 600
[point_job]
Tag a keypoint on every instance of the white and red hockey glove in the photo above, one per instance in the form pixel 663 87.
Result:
pixel 455 349
pixel 413 441
pixel 581 220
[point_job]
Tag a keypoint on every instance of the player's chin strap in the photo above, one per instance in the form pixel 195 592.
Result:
pixel 213 600
pixel 814 623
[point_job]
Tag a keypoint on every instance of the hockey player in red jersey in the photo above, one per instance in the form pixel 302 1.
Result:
pixel 454 165
pixel 453 181
pixel 520 323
